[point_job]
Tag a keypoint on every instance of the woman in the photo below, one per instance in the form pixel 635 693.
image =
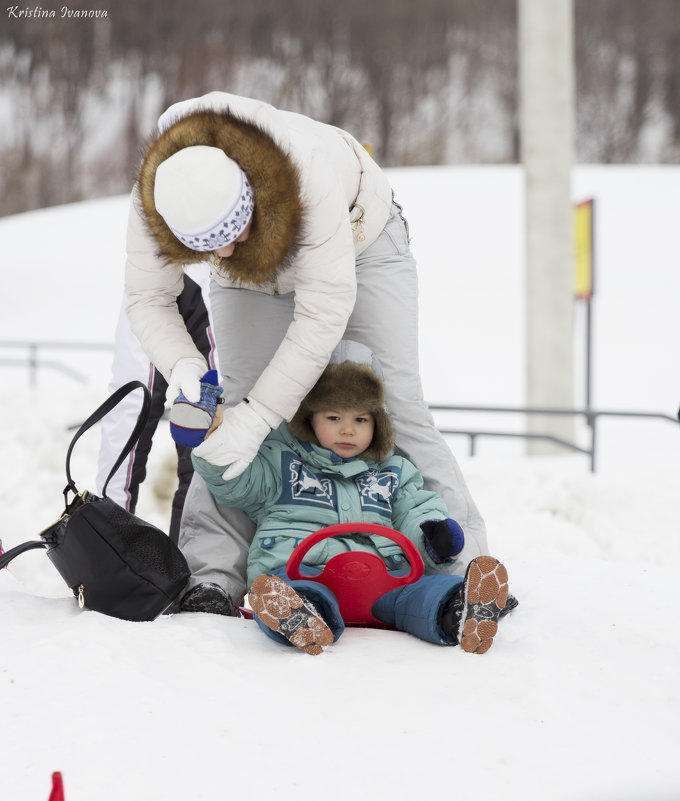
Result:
pixel 306 246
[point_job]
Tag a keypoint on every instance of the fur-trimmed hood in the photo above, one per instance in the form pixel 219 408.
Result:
pixel 348 385
pixel 278 216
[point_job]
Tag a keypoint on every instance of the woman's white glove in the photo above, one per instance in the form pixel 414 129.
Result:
pixel 235 442
pixel 186 377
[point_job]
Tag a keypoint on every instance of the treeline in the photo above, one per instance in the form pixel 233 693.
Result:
pixel 432 82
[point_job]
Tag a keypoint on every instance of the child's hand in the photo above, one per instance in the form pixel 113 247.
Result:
pixel 190 422
pixel 443 539
pixel 219 416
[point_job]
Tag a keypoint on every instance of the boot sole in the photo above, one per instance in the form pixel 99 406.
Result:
pixel 486 594
pixel 281 609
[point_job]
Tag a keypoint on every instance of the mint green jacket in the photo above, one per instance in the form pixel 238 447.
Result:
pixel 294 488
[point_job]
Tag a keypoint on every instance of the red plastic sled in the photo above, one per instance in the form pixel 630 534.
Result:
pixel 357 578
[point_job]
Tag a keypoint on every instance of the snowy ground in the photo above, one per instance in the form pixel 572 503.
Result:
pixel 578 700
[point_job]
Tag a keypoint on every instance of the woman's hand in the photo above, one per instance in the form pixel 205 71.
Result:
pixel 186 377
pixel 234 442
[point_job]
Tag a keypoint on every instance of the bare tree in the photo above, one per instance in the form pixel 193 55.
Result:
pixel 426 83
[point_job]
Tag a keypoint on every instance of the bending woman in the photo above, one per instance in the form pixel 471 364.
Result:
pixel 306 246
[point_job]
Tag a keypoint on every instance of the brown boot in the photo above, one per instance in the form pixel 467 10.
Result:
pixel 481 602
pixel 281 609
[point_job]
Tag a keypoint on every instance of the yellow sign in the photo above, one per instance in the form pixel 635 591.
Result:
pixel 584 249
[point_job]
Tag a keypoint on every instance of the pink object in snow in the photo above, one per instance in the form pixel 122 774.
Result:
pixel 57 793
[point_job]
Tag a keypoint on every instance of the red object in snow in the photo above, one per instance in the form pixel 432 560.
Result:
pixel 57 793
pixel 358 578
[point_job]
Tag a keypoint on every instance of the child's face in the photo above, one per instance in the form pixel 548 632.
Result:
pixel 346 432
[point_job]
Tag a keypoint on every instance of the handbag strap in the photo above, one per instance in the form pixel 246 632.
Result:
pixel 96 416
pixel 7 557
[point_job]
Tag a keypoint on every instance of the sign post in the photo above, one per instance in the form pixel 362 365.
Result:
pixel 584 284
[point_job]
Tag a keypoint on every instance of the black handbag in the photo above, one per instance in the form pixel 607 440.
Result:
pixel 113 562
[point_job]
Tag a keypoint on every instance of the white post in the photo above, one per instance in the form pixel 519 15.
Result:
pixel 546 57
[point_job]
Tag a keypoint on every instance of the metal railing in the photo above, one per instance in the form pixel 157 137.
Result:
pixel 34 363
pixel 592 416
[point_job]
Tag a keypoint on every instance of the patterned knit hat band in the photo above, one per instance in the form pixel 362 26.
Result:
pixel 204 197
pixel 230 226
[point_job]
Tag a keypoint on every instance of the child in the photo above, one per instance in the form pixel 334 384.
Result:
pixel 335 463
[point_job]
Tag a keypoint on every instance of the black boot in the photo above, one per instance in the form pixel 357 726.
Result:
pixel 207 597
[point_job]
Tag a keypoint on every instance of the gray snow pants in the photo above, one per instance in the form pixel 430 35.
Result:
pixel 248 328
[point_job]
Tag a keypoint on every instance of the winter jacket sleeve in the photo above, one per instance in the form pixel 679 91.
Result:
pixel 253 490
pixel 152 289
pixel 412 505
pixel 325 292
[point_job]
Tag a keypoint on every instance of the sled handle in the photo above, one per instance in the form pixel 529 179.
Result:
pixel 412 554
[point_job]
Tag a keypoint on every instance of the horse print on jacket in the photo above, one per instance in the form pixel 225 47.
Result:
pixel 376 488
pixel 302 485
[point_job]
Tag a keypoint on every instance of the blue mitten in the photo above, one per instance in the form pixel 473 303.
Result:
pixel 189 422
pixel 443 539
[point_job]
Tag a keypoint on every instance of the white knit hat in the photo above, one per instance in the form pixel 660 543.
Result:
pixel 204 197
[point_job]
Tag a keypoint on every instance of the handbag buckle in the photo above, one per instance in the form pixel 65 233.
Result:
pixel 79 500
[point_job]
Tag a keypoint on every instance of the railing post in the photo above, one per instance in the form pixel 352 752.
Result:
pixel 33 364
pixel 591 417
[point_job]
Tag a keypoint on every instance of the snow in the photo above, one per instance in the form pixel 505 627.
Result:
pixel 578 699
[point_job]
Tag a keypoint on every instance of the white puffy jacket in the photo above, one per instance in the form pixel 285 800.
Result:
pixel 345 199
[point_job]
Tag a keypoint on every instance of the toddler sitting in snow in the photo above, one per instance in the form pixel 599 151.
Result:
pixel 335 462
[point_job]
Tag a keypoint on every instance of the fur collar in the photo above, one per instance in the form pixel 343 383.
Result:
pixel 277 219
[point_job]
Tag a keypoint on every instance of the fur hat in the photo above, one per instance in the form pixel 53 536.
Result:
pixel 277 217
pixel 204 197
pixel 348 385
